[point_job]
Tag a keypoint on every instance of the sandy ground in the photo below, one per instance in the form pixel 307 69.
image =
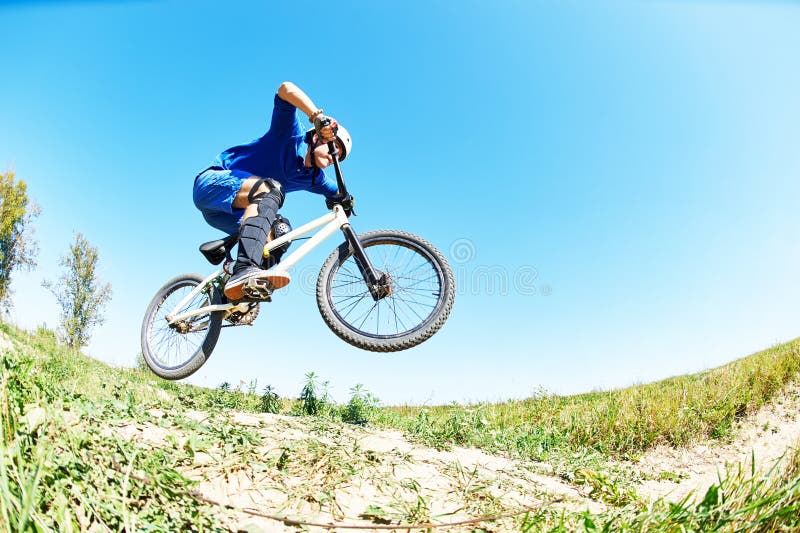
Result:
pixel 328 473
pixel 460 483
pixel 336 474
pixel 765 435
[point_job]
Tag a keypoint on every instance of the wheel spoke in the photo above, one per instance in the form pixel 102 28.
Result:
pixel 396 318
pixel 167 345
pixel 415 293
pixel 344 284
pixel 366 316
pixel 355 304
pixel 412 309
pixel 416 290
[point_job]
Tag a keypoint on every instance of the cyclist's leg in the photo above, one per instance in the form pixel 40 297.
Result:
pixel 214 194
pixel 261 200
pixel 251 186
pixel 218 193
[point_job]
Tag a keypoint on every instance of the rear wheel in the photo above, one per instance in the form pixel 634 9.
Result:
pixel 177 351
pixel 418 304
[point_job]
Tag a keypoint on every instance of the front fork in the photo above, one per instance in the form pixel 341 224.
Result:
pixel 379 283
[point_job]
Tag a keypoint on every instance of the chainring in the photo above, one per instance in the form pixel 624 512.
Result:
pixel 238 318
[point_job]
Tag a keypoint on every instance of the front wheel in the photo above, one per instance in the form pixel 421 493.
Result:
pixel 177 351
pixel 422 291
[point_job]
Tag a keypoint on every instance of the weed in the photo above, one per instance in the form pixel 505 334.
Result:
pixel 270 401
pixel 314 396
pixel 667 475
pixel 362 406
pixel 602 487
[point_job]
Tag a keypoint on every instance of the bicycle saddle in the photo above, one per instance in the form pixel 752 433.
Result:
pixel 215 251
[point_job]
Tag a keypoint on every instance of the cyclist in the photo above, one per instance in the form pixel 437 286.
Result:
pixel 244 188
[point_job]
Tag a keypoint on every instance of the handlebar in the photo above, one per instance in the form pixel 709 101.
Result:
pixel 319 123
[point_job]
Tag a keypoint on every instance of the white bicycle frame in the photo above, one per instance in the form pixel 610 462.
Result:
pixel 328 224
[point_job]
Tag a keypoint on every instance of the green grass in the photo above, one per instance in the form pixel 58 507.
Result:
pixel 618 423
pixel 62 467
pixel 91 380
pixel 741 501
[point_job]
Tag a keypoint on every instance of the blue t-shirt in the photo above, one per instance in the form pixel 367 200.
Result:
pixel 279 154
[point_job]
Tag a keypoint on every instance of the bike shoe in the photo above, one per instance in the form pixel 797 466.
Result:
pixel 254 283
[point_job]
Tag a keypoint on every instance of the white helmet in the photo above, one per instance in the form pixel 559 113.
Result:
pixel 343 136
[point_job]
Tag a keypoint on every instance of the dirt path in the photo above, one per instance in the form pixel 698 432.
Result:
pixel 323 472
pixel 326 473
pixel 767 435
pixel 318 471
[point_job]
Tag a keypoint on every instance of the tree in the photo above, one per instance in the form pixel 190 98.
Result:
pixel 79 293
pixel 18 249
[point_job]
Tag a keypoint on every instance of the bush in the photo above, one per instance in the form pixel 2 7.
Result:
pixel 362 406
pixel 314 396
pixel 270 401
pixel 226 397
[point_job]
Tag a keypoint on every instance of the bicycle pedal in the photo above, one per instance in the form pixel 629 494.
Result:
pixel 257 290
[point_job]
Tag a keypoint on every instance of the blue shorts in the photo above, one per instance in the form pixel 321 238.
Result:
pixel 214 193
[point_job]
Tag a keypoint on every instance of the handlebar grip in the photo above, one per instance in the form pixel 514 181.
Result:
pixel 321 121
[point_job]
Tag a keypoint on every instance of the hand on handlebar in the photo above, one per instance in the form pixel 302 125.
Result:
pixel 326 128
pixel 345 200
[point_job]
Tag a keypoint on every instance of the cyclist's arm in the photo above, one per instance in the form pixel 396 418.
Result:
pixel 291 93
pixel 324 185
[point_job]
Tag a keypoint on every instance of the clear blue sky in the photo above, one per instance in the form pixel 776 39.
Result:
pixel 630 170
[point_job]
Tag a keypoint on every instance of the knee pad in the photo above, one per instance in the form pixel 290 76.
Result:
pixel 252 238
pixel 268 208
pixel 255 230
pixel 266 215
pixel 256 196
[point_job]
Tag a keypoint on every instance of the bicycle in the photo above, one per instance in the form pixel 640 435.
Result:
pixel 413 286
